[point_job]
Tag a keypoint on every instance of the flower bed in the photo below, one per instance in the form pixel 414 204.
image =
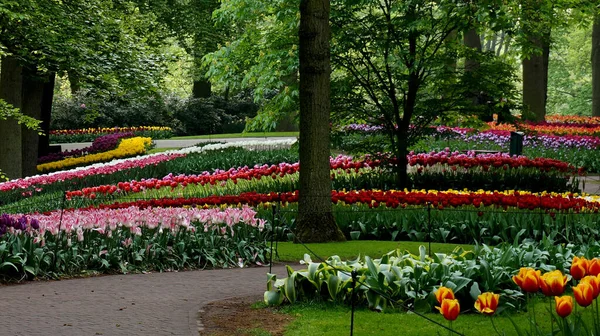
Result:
pixel 147 166
pixel 90 134
pixel 414 279
pixel 128 239
pixel 127 148
pixel 100 144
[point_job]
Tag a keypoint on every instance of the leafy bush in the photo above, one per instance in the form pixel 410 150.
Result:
pixel 186 116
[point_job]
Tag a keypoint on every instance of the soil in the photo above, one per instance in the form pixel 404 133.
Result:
pixel 235 316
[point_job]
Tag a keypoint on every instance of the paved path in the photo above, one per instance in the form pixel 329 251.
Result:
pixel 178 143
pixel 135 304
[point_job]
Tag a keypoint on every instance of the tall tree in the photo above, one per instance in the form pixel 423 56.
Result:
pixel 596 65
pixel 315 222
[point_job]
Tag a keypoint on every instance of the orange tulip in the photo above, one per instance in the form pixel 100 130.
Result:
pixel 579 267
pixel 487 303
pixel 594 267
pixel 450 308
pixel 564 305
pixel 553 283
pixel 584 294
pixel 594 282
pixel 443 293
pixel 528 279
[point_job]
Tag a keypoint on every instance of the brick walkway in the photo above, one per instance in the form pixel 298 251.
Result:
pixel 134 304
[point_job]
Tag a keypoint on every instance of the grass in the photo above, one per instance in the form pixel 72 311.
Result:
pixel 239 135
pixel 324 318
pixel 290 252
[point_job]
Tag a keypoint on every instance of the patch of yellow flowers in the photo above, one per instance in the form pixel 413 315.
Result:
pixel 127 148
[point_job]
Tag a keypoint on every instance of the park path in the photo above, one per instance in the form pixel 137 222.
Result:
pixel 133 304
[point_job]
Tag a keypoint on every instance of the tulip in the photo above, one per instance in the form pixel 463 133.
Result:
pixel 487 303
pixel 579 267
pixel 594 267
pixel 584 294
pixel 443 293
pixel 450 308
pixel 564 305
pixel 528 279
pixel 593 281
pixel 553 283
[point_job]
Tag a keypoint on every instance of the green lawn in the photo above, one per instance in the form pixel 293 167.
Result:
pixel 239 135
pixel 290 252
pixel 328 319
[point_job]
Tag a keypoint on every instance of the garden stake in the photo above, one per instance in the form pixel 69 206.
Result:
pixel 58 238
pixel 354 274
pixel 429 227
pixel 272 237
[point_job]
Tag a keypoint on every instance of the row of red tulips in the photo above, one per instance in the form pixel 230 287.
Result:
pixel 391 199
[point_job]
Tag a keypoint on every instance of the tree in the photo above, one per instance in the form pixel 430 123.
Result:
pixel 596 65
pixel 315 222
pixel 98 41
pixel 391 61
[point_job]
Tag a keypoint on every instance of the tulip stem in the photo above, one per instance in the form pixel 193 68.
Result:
pixel 551 317
pixel 494 325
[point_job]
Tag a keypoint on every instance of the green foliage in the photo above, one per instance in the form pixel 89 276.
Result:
pixel 23 256
pixel 402 278
pixel 262 55
pixel 7 111
pixel 186 116
pixel 570 72
pixel 464 225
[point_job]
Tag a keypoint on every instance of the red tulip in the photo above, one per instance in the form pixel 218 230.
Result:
pixel 579 267
pixel 444 293
pixel 450 308
pixel 584 294
pixel 487 303
pixel 553 283
pixel 564 305
pixel 528 279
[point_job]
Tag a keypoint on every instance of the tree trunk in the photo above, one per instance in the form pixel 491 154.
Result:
pixel 596 66
pixel 535 81
pixel 32 97
pixel 48 97
pixel 535 64
pixel 74 81
pixel 471 40
pixel 315 222
pixel 201 88
pixel 11 82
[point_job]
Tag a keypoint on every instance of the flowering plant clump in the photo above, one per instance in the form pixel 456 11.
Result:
pixel 129 239
pixel 572 119
pixel 89 134
pixel 551 128
pixel 127 148
pixel 101 144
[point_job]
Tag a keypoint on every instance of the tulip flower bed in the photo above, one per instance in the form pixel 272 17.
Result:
pixel 499 171
pixel 100 144
pixel 423 281
pixel 551 128
pixel 184 161
pixel 127 148
pixel 451 216
pixel 127 240
pixel 90 134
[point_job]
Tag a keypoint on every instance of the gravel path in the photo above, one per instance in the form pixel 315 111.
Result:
pixel 134 304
